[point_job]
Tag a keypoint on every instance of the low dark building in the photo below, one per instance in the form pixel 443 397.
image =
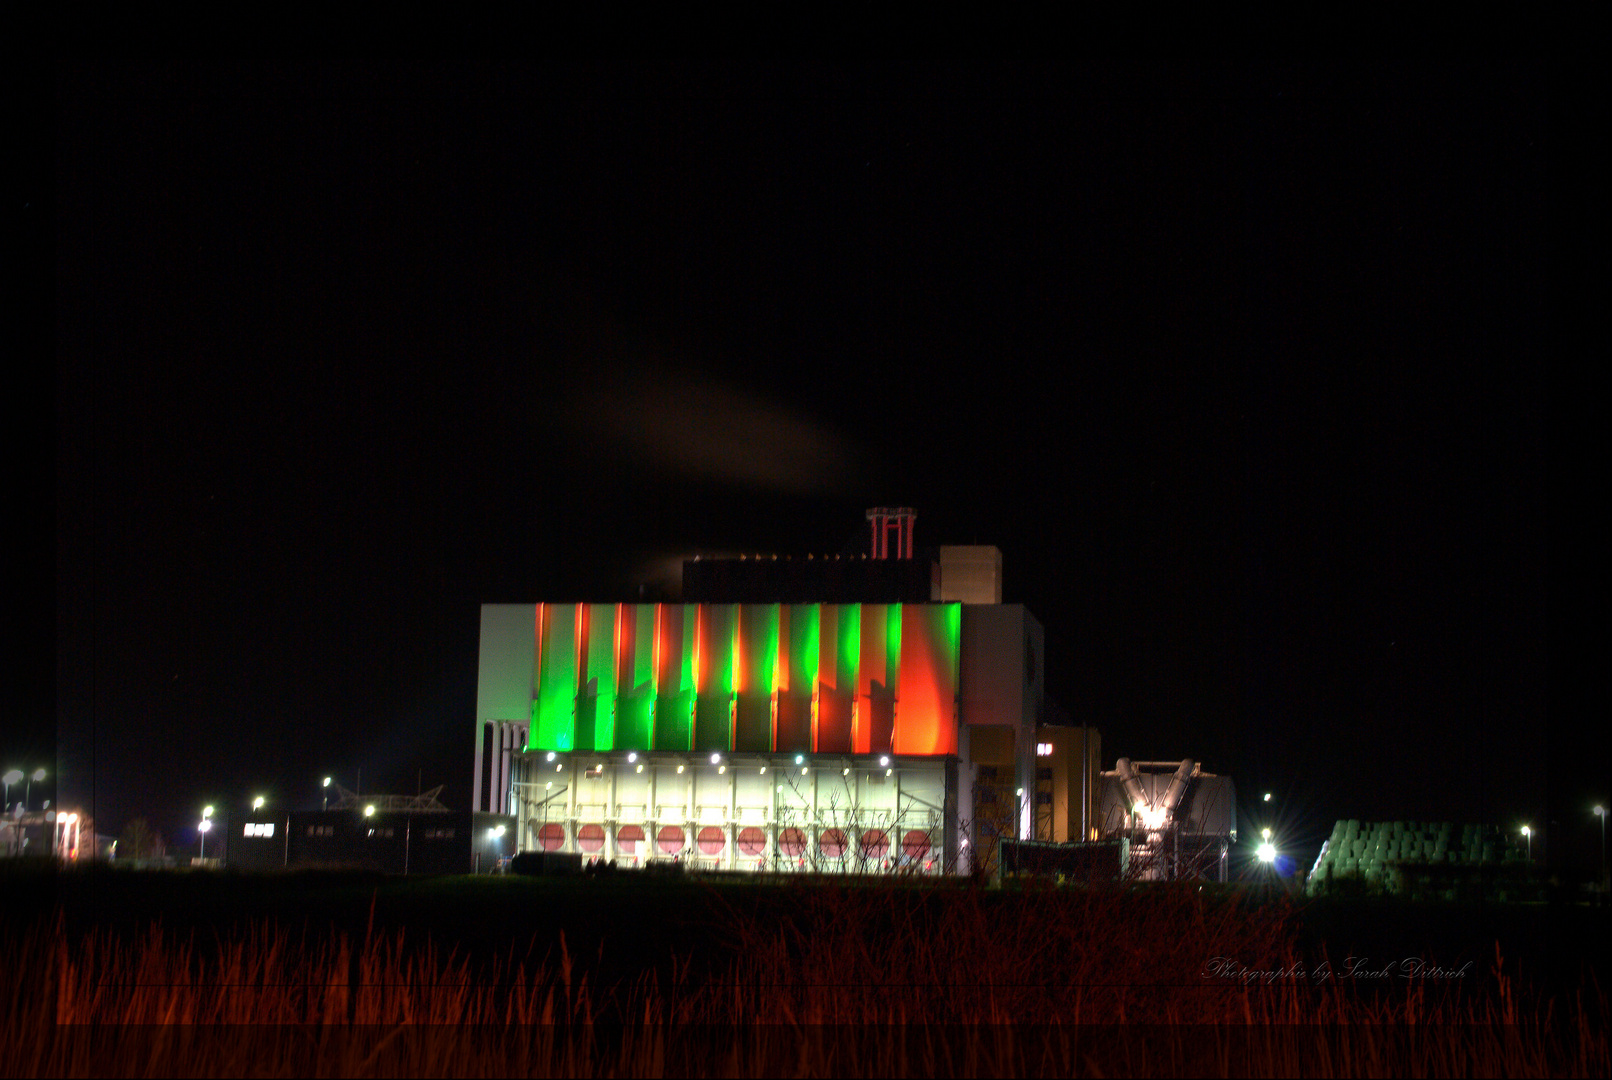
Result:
pixel 388 833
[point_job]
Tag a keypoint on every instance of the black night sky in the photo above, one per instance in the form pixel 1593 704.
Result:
pixel 1245 371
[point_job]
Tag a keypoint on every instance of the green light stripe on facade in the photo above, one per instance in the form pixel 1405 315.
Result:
pixel 554 708
pixel 805 639
pixel 849 656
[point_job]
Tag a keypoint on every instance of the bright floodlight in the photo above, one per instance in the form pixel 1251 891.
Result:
pixel 12 777
pixel 632 757
pixel 884 759
pixel 1600 811
pixel 1152 817
pixel 1267 797
pixel 369 811
pixel 799 758
pixel 551 756
pixel 207 812
pixel 257 803
pixel 498 831
pixel 39 774
pixel 1267 852
pixel 1265 834
pixel 205 825
pixel 1526 831
pixel 715 758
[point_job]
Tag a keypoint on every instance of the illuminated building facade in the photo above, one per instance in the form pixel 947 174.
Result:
pixel 734 732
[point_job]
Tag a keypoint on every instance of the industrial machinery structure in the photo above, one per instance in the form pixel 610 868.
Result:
pixel 1179 820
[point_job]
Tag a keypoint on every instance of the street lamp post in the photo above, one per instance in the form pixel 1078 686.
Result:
pixel 28 791
pixel 12 777
pixel 1528 835
pixel 206 824
pixel 1266 852
pixel 1600 812
pixel 326 804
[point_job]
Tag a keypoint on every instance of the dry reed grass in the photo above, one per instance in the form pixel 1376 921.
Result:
pixel 847 982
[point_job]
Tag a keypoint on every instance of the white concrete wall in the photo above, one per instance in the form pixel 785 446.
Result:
pixel 508 651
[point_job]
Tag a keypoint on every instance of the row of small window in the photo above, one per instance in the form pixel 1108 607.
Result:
pixel 989 772
pixel 383 833
pixel 988 796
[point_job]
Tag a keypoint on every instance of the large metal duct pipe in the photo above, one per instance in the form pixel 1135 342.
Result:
pixel 1132 785
pixel 1178 785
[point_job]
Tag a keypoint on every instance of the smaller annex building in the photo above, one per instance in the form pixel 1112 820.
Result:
pixel 393 834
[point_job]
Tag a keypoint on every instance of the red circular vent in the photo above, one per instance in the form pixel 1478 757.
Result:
pixel 792 842
pixel 669 839
pixel 752 841
pixel 915 845
pixel 628 837
pixel 832 843
pixel 551 837
pixel 591 838
pixel 875 844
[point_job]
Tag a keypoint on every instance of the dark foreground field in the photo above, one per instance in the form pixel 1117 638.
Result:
pixel 329 974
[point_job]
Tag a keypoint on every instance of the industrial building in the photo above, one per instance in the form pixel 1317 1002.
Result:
pixel 878 713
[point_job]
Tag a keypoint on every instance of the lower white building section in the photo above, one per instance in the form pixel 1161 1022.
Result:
pixel 804 813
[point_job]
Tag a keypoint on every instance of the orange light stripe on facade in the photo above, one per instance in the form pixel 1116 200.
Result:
pixel 655 667
pixel 699 653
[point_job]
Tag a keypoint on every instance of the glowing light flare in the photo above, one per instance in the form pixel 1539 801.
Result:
pixel 1266 852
